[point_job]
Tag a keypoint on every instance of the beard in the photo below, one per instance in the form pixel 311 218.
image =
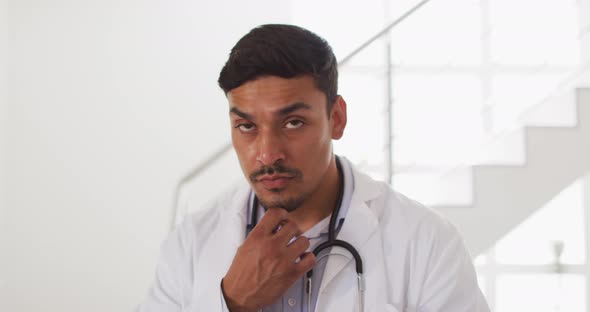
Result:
pixel 290 204
pixel 278 200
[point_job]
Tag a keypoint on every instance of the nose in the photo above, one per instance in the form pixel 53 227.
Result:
pixel 270 148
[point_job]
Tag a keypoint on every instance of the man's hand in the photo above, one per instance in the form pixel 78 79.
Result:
pixel 265 267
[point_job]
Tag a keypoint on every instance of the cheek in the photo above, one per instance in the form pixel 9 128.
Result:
pixel 316 151
pixel 241 148
pixel 241 143
pixel 323 140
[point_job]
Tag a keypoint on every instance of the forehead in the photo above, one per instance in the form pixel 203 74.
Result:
pixel 270 93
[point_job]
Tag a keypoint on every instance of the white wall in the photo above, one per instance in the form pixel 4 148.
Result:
pixel 3 89
pixel 584 35
pixel 111 102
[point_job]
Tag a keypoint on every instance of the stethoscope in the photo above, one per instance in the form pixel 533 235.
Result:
pixel 331 242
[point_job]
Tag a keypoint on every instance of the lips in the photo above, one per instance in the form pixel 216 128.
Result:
pixel 275 182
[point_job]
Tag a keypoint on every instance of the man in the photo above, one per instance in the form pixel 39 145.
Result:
pixel 251 249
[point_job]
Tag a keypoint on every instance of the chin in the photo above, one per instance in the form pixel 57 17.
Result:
pixel 289 203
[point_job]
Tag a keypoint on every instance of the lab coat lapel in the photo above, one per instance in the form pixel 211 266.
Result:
pixel 231 234
pixel 359 226
pixel 218 253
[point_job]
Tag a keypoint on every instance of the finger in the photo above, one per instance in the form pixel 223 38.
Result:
pixel 297 247
pixel 287 231
pixel 271 219
pixel 306 263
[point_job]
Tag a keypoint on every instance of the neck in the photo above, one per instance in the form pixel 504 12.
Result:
pixel 322 202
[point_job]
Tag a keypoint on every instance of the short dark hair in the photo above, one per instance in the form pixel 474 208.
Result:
pixel 285 51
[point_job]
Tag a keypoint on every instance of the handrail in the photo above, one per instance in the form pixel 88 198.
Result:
pixel 382 32
pixel 191 175
pixel 227 147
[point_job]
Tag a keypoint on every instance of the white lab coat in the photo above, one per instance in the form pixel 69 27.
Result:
pixel 414 260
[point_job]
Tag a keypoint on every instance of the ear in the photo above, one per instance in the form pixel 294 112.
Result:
pixel 338 118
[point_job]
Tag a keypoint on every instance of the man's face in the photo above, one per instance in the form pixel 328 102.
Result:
pixel 283 137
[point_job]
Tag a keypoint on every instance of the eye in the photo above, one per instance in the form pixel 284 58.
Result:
pixel 294 124
pixel 246 127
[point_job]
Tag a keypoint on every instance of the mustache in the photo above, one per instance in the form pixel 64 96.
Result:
pixel 275 169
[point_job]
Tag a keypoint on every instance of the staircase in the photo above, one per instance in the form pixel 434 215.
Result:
pixel 486 199
pixel 505 195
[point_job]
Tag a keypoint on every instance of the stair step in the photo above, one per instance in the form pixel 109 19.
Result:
pixel 505 195
pixel 583 107
pixel 558 110
pixel 431 188
pixel 506 149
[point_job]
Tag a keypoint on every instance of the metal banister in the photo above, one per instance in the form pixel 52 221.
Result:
pixel 193 173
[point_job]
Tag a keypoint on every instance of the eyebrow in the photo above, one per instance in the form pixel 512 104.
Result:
pixel 281 112
pixel 241 114
pixel 292 108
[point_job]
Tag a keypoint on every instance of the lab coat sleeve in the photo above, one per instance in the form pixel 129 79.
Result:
pixel 174 287
pixel 449 281
pixel 166 292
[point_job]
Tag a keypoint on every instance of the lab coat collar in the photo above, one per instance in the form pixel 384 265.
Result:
pixel 366 188
pixel 360 223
